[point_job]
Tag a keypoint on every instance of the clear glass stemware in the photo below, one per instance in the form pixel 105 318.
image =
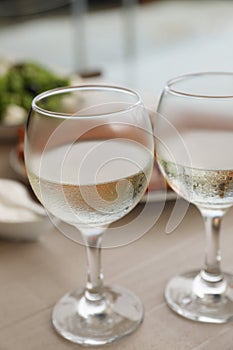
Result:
pixel 89 157
pixel 194 137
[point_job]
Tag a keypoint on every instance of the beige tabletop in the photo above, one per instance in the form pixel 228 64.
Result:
pixel 33 276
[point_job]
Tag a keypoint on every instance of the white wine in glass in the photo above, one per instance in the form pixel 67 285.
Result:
pixel 102 199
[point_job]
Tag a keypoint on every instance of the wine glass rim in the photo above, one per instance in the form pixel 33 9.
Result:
pixel 87 87
pixel 169 87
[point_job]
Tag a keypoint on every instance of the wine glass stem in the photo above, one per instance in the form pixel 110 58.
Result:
pixel 94 286
pixel 211 271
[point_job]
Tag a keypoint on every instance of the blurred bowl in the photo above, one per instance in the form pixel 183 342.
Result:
pixel 21 217
pixel 8 132
pixel 25 231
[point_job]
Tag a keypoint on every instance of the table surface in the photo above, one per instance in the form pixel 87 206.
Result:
pixel 35 275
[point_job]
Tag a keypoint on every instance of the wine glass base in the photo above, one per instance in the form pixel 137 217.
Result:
pixel 181 299
pixel 122 317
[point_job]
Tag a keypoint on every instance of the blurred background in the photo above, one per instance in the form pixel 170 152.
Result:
pixel 135 43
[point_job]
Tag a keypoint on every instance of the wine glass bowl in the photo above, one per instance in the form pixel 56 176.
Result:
pixel 194 134
pixel 89 158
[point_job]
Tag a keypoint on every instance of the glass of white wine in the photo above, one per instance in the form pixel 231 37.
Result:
pixel 89 158
pixel 194 137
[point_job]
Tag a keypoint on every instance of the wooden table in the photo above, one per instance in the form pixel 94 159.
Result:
pixel 33 276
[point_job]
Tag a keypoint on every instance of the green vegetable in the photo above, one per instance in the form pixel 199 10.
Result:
pixel 22 82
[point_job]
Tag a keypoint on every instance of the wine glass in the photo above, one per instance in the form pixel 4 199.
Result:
pixel 194 137
pixel 89 158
